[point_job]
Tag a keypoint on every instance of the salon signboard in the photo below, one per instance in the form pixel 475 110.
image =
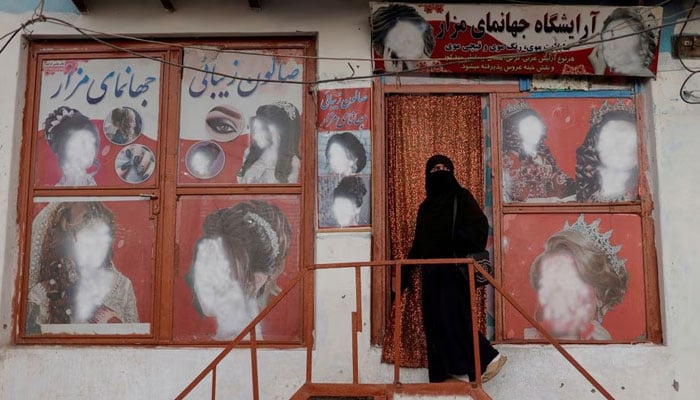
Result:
pixel 515 40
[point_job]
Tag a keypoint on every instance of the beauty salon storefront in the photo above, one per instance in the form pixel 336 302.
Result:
pixel 183 193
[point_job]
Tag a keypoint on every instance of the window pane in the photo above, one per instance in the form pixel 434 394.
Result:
pixel 580 275
pixel 235 255
pixel 237 130
pixel 98 123
pixel 569 149
pixel 91 266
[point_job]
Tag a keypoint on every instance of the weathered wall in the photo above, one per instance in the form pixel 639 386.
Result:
pixel 533 372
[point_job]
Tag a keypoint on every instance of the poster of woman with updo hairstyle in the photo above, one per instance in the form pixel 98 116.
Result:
pixel 241 252
pixel 95 130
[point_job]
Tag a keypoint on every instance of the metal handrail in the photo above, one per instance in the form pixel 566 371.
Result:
pixel 357 324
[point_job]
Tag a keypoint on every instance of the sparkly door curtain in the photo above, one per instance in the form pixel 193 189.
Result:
pixel 419 126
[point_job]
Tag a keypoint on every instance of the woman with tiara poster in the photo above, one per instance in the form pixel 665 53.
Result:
pixel 236 263
pixel 75 141
pixel 530 172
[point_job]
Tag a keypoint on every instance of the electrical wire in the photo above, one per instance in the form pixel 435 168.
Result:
pixel 587 41
pixel 685 95
pixel 93 35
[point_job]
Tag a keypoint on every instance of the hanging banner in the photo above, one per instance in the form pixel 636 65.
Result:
pixel 516 40
pixel 344 157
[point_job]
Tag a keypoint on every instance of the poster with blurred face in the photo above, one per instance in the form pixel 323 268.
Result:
pixel 82 277
pixel 83 131
pixel 241 252
pixel 578 149
pixel 580 276
pixel 254 128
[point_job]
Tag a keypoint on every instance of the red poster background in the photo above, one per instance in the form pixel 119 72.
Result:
pixel 233 159
pixel 487 51
pixel 344 109
pixel 524 236
pixel 283 324
pixel 48 172
pixel 132 248
pixel 567 121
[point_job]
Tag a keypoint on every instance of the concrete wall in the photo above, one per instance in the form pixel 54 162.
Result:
pixel 667 371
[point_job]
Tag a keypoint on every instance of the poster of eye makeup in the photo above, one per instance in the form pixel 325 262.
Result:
pixel 573 149
pixel 581 276
pixel 91 267
pixel 240 253
pixel 98 123
pixel 241 117
pixel 344 158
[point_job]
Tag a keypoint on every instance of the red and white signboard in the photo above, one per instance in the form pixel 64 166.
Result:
pixel 516 40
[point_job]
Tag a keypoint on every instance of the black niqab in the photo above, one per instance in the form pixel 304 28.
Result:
pixel 440 182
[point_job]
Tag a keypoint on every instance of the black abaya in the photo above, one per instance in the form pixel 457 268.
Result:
pixel 446 303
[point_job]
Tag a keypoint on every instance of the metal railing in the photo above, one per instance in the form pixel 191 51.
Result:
pixel 475 389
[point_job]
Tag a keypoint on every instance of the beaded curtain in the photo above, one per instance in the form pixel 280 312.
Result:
pixel 419 126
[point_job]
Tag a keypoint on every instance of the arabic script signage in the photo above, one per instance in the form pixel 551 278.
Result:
pixel 515 40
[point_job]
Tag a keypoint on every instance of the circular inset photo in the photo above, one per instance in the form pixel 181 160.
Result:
pixel 122 125
pixel 204 160
pixel 224 123
pixel 135 163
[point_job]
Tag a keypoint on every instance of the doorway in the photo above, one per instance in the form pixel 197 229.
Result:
pixel 418 126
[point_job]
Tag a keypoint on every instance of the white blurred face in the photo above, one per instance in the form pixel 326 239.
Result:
pixel 568 303
pixel 623 53
pixel 81 149
pixel 617 145
pixel 345 211
pixel 339 161
pixel 91 245
pixel 403 41
pixel 531 131
pixel 200 163
pixel 265 135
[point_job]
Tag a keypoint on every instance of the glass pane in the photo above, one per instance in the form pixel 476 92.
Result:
pixel 236 253
pixel 91 266
pixel 98 123
pixel 235 128
pixel 580 275
pixel 569 149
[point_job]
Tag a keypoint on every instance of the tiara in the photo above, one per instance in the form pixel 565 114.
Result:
pixel 289 108
pixel 597 115
pixel 271 235
pixel 514 107
pixel 600 240
pixel 57 116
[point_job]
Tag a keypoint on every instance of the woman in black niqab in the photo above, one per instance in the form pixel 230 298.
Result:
pixel 446 301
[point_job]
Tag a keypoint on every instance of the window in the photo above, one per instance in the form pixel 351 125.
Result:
pixel 164 204
pixel 576 245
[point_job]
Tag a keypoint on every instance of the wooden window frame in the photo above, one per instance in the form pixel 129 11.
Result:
pixel 380 285
pixel 165 193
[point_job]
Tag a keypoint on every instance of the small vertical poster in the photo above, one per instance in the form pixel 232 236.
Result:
pixel 344 158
